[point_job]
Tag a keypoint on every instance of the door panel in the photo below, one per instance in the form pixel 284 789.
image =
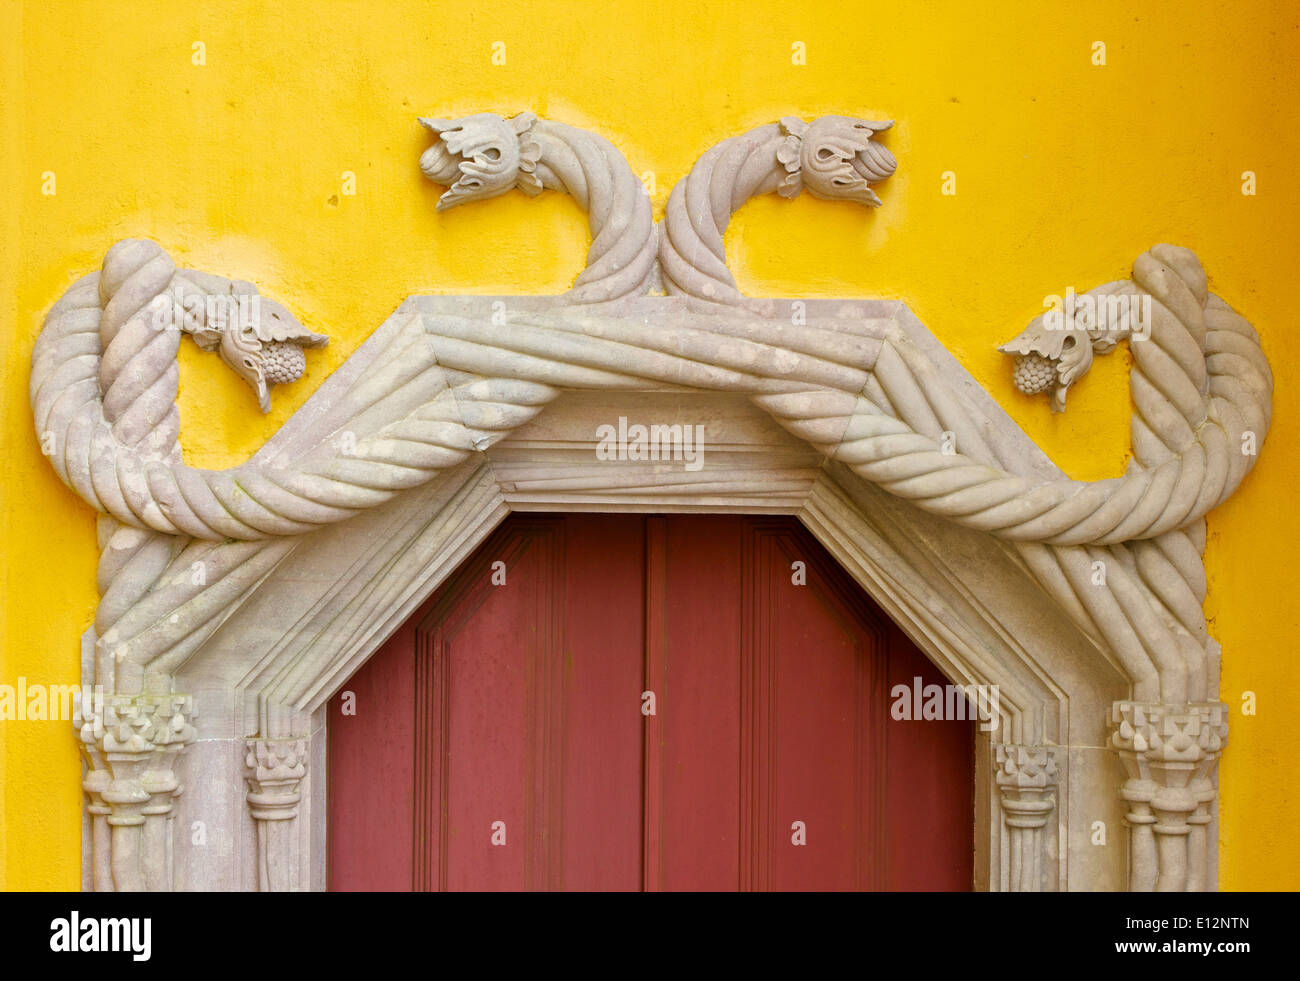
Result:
pixel 508 745
pixel 817 721
pixel 929 781
pixel 698 687
pixel 487 660
pixel 605 624
pixel 370 785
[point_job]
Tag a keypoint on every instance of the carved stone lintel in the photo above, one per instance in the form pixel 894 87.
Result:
pixel 1169 753
pixel 276 769
pixel 1026 780
pixel 130 743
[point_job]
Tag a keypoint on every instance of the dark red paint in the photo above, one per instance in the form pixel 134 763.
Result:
pixel 521 703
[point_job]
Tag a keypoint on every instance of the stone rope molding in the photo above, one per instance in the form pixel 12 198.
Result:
pixel 118 428
pixel 834 157
pixel 481 156
pixel 104 384
pixel 119 448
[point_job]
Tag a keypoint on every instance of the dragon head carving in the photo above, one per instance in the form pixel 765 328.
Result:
pixel 255 336
pixel 1057 347
pixel 834 157
pixel 481 156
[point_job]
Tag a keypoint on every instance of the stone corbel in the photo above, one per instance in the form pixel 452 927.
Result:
pixel 1026 779
pixel 1169 753
pixel 131 744
pixel 276 769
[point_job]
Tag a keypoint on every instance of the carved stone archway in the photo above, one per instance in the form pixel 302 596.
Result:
pixel 234 603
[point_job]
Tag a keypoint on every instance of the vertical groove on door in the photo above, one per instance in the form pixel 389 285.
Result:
pixel 656 681
pixel 431 718
pixel 871 734
pixel 544 707
pixel 770 546
pixel 757 716
pixel 549 870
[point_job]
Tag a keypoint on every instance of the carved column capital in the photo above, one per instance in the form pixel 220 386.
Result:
pixel 1026 780
pixel 1169 753
pixel 1168 734
pixel 138 737
pixel 276 768
pixel 1025 768
pixel 1164 747
pixel 130 743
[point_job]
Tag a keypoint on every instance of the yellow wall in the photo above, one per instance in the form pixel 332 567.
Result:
pixel 1065 172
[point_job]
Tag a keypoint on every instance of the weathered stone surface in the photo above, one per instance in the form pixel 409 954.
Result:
pixel 256 591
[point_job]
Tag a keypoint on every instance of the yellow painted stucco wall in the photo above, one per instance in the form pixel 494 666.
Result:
pixel 1065 171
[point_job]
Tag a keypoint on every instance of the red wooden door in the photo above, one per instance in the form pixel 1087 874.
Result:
pixel 646 702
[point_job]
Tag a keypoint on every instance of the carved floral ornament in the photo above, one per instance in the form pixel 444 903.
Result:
pixel 448 387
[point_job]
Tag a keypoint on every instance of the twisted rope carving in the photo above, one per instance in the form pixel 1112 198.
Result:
pixel 881 413
pixel 104 383
pixel 834 157
pixel 1201 389
pixel 438 395
pixel 482 156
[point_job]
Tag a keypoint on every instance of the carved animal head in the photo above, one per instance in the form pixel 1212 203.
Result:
pixel 257 338
pixel 1057 347
pixel 481 156
pixel 834 157
pixel 270 352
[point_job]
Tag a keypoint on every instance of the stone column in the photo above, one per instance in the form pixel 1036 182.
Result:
pixel 1169 753
pixel 1026 778
pixel 276 769
pixel 131 744
pixel 1212 738
pixel 88 719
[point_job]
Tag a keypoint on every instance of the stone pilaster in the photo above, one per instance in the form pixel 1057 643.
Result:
pixel 1026 780
pixel 1169 754
pixel 94 782
pixel 1212 737
pixel 276 769
pixel 131 744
